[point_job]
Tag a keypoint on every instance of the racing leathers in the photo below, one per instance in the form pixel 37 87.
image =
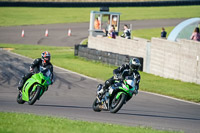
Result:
pixel 120 73
pixel 35 67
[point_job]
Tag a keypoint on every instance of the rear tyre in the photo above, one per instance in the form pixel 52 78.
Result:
pixel 34 96
pixel 95 106
pixel 19 99
pixel 116 104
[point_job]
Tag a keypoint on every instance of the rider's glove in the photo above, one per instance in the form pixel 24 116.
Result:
pixel 117 76
pixel 31 69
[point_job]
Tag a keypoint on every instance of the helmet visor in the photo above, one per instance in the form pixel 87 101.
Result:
pixel 46 59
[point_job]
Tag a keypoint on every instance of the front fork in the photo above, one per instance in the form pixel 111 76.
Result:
pixel 103 97
pixel 104 102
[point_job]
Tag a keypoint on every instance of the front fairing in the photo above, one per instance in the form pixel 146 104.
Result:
pixel 127 86
pixel 37 79
pixel 30 83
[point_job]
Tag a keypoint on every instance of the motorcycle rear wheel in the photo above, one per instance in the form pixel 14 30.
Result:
pixel 19 98
pixel 34 96
pixel 116 104
pixel 95 106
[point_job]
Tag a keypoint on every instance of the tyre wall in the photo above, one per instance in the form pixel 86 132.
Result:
pixel 134 48
pixel 104 56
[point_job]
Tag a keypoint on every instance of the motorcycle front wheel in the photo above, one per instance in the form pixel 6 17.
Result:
pixel 95 106
pixel 116 104
pixel 33 96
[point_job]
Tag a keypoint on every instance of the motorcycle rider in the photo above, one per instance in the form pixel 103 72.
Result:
pixel 43 62
pixel 128 69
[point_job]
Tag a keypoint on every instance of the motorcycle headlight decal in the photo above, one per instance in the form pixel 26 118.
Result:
pixel 130 83
pixel 110 91
pixel 124 86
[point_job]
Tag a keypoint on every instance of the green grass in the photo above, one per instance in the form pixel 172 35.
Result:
pixel 85 42
pixel 18 122
pixel 149 33
pixel 64 57
pixel 32 16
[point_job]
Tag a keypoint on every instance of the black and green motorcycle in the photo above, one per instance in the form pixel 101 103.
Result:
pixel 116 96
pixel 35 87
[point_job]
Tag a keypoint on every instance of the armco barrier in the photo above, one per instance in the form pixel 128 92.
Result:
pixel 100 4
pixel 103 56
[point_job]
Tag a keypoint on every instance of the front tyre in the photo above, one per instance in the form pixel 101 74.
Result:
pixel 19 99
pixel 116 104
pixel 34 96
pixel 95 106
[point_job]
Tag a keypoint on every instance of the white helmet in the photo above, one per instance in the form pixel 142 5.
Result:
pixel 134 63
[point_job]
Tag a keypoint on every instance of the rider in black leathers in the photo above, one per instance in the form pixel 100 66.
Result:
pixel 128 69
pixel 43 62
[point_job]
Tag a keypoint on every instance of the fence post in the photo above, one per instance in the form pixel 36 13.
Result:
pixel 76 48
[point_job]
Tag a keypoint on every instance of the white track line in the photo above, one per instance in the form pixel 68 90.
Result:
pixel 68 71
pixel 170 97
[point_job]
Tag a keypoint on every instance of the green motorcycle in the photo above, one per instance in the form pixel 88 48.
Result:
pixel 34 87
pixel 116 96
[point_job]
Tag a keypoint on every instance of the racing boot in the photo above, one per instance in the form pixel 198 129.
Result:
pixel 21 83
pixel 105 87
pixel 135 92
pixel 99 89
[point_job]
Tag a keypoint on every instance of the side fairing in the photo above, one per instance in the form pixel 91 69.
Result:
pixel 31 82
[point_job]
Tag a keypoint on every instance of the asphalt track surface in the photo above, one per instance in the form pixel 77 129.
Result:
pixel 72 95
pixel 58 33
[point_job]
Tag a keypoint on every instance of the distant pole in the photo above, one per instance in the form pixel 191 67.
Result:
pixel 131 27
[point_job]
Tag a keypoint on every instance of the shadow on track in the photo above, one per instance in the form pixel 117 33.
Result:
pixel 129 114
pixel 12 69
pixel 62 106
pixel 161 116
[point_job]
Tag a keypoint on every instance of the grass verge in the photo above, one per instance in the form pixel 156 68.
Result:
pixel 149 33
pixel 10 16
pixel 17 122
pixel 64 57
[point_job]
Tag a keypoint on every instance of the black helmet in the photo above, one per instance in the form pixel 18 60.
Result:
pixel 134 63
pixel 46 56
